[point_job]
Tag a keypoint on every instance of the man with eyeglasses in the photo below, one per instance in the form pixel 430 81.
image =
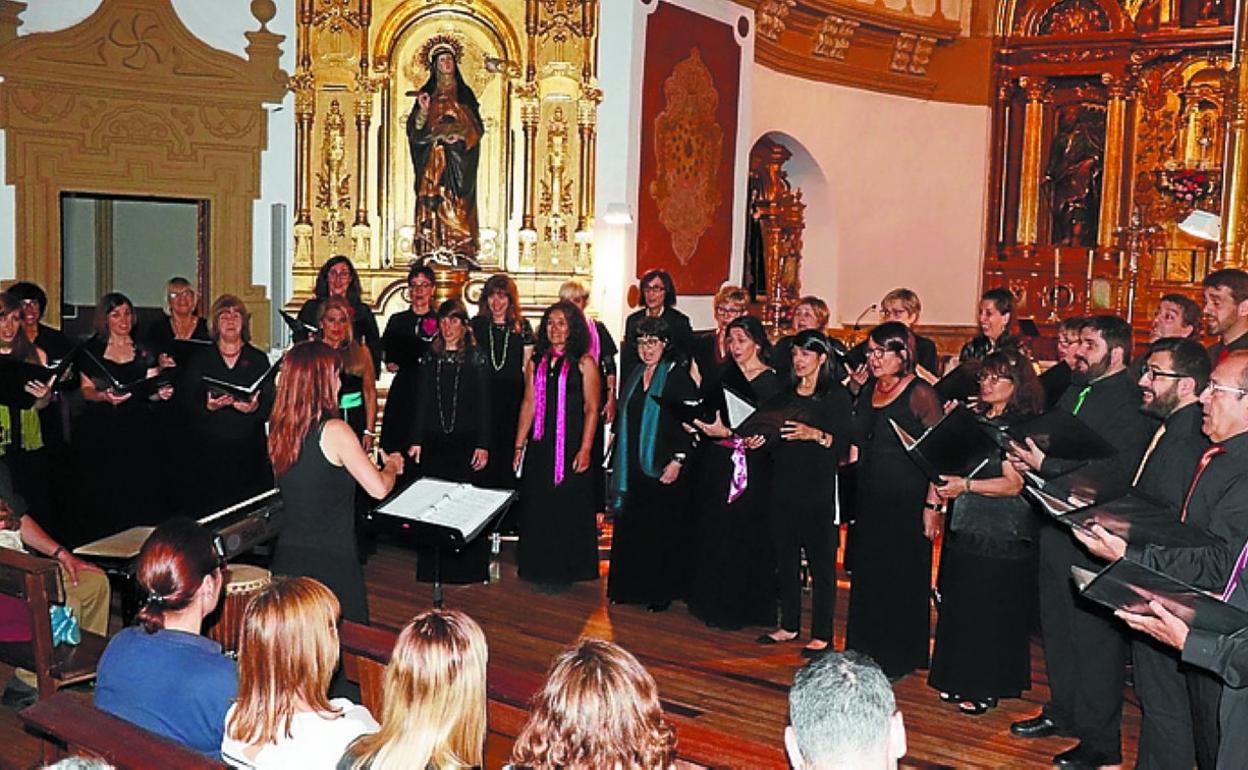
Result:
pixel 1217 502
pixel 1085 651
pixel 1226 312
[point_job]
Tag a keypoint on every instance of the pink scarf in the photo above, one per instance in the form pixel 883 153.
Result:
pixel 561 410
pixel 595 346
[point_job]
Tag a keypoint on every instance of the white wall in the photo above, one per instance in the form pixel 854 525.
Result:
pixel 220 23
pixel 895 190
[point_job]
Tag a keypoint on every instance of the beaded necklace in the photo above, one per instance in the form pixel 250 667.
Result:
pixel 499 363
pixel 437 385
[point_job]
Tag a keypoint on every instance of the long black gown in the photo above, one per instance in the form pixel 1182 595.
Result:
pixel 172 421
pixel 23 445
pixel 453 421
pixel 646 549
pixel 558 531
pixel 606 368
pixel 407 339
pixel 734 571
pixel 230 450
pixel 503 349
pixel 114 454
pixel 888 599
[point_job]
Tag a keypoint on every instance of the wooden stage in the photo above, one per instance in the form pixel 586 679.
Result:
pixel 721 680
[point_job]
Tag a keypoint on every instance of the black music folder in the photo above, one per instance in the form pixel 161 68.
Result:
pixel 960 444
pixel 688 409
pixel 144 387
pixel 183 350
pixel 1128 585
pixel 764 420
pixel 241 391
pixel 1062 435
pixel 1134 517
pixel 299 330
pixel 14 375
pixel 961 383
pixel 1086 482
pixel 443 514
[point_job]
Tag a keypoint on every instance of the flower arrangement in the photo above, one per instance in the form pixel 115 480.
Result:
pixel 1188 185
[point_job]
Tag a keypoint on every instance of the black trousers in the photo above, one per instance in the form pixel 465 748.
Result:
pixel 1167 739
pixel 1084 649
pixel 793 529
pixel 1205 693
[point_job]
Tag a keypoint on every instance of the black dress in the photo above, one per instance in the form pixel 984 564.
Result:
pixel 171 419
pixel 363 327
pixel 407 339
pixel 606 368
pixel 115 457
pixel 231 455
pixel 558 531
pixel 317 539
pixel 23 446
pixel 734 571
pixel 803 509
pixel 503 349
pixel 987 587
pixel 888 599
pixel 452 422
pixel 646 547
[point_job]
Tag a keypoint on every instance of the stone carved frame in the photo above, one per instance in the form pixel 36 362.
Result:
pixel 129 102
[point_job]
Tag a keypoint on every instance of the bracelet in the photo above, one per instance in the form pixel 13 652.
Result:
pixel 933 507
pixel 966 485
pixel 60 549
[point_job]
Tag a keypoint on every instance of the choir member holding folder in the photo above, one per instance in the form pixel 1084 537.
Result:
pixel 553 444
pixel 114 440
pixel 1084 649
pixel 734 567
pixel 893 534
pixel 176 336
pixel 982 651
pixel 803 492
pixel 451 437
pixel 649 496
pixel 227 393
pixel 25 393
pixel 409 333
pixel 505 336
pixel 318 460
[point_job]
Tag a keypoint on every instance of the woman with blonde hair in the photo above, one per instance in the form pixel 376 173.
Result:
pixel 434 711
pixel 599 708
pixel 357 399
pixel 287 654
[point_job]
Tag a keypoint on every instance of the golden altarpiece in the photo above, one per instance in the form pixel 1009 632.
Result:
pixel 530 66
pixel 1112 124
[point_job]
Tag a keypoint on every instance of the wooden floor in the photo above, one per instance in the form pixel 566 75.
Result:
pixel 723 680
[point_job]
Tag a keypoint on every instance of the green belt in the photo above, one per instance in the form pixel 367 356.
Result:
pixel 350 400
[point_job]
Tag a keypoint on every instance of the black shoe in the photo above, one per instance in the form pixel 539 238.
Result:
pixel 1037 727
pixel 1080 758
pixel 658 606
pixel 18 695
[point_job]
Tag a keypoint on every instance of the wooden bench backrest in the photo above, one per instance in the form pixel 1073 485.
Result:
pixel 34 581
pixel 71 722
pixel 366 651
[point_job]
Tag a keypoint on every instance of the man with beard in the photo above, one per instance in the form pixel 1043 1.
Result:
pixel 1084 648
pixel 1226 312
pixel 1174 373
pixel 1217 502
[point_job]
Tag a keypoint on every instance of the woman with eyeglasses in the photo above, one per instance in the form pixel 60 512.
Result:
pixel 734 582
pixel 338 278
pixel 452 433
pixel 803 491
pixel 893 530
pixel 22 445
pixel 708 349
pixel 658 300
pixel 987 571
pixel 182 322
pixel 505 336
pixel 409 335
pixel 647 486
pixel 1057 378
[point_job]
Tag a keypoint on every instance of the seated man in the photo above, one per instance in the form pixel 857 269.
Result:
pixel 86 587
pixel 842 714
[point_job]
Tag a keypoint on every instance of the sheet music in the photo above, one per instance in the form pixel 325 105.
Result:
pixel 461 507
pixel 738 409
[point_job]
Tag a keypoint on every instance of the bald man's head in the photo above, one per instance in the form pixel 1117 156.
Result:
pixel 1225 401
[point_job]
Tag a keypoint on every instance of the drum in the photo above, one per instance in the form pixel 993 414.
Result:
pixel 226 624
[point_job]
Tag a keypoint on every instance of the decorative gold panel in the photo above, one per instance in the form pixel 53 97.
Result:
pixel 129 102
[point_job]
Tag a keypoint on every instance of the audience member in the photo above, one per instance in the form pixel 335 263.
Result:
pixel 842 714
pixel 434 712
pixel 599 708
pixel 283 717
pixel 162 675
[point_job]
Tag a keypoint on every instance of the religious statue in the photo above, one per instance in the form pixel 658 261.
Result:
pixel 444 133
pixel 1073 177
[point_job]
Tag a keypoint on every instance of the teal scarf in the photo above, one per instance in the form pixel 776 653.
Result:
pixel 649 431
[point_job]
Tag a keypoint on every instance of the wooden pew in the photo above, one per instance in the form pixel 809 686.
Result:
pixel 34 581
pixel 69 725
pixel 366 650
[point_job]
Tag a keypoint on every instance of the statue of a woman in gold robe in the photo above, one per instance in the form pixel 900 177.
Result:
pixel 444 134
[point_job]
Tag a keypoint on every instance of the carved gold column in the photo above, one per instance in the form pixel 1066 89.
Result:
pixel 361 233
pixel 1231 251
pixel 587 125
pixel 304 86
pixel 530 116
pixel 1029 180
pixel 1111 178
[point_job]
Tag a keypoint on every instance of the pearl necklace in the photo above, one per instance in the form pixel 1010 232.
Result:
pixel 437 384
pixel 499 363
